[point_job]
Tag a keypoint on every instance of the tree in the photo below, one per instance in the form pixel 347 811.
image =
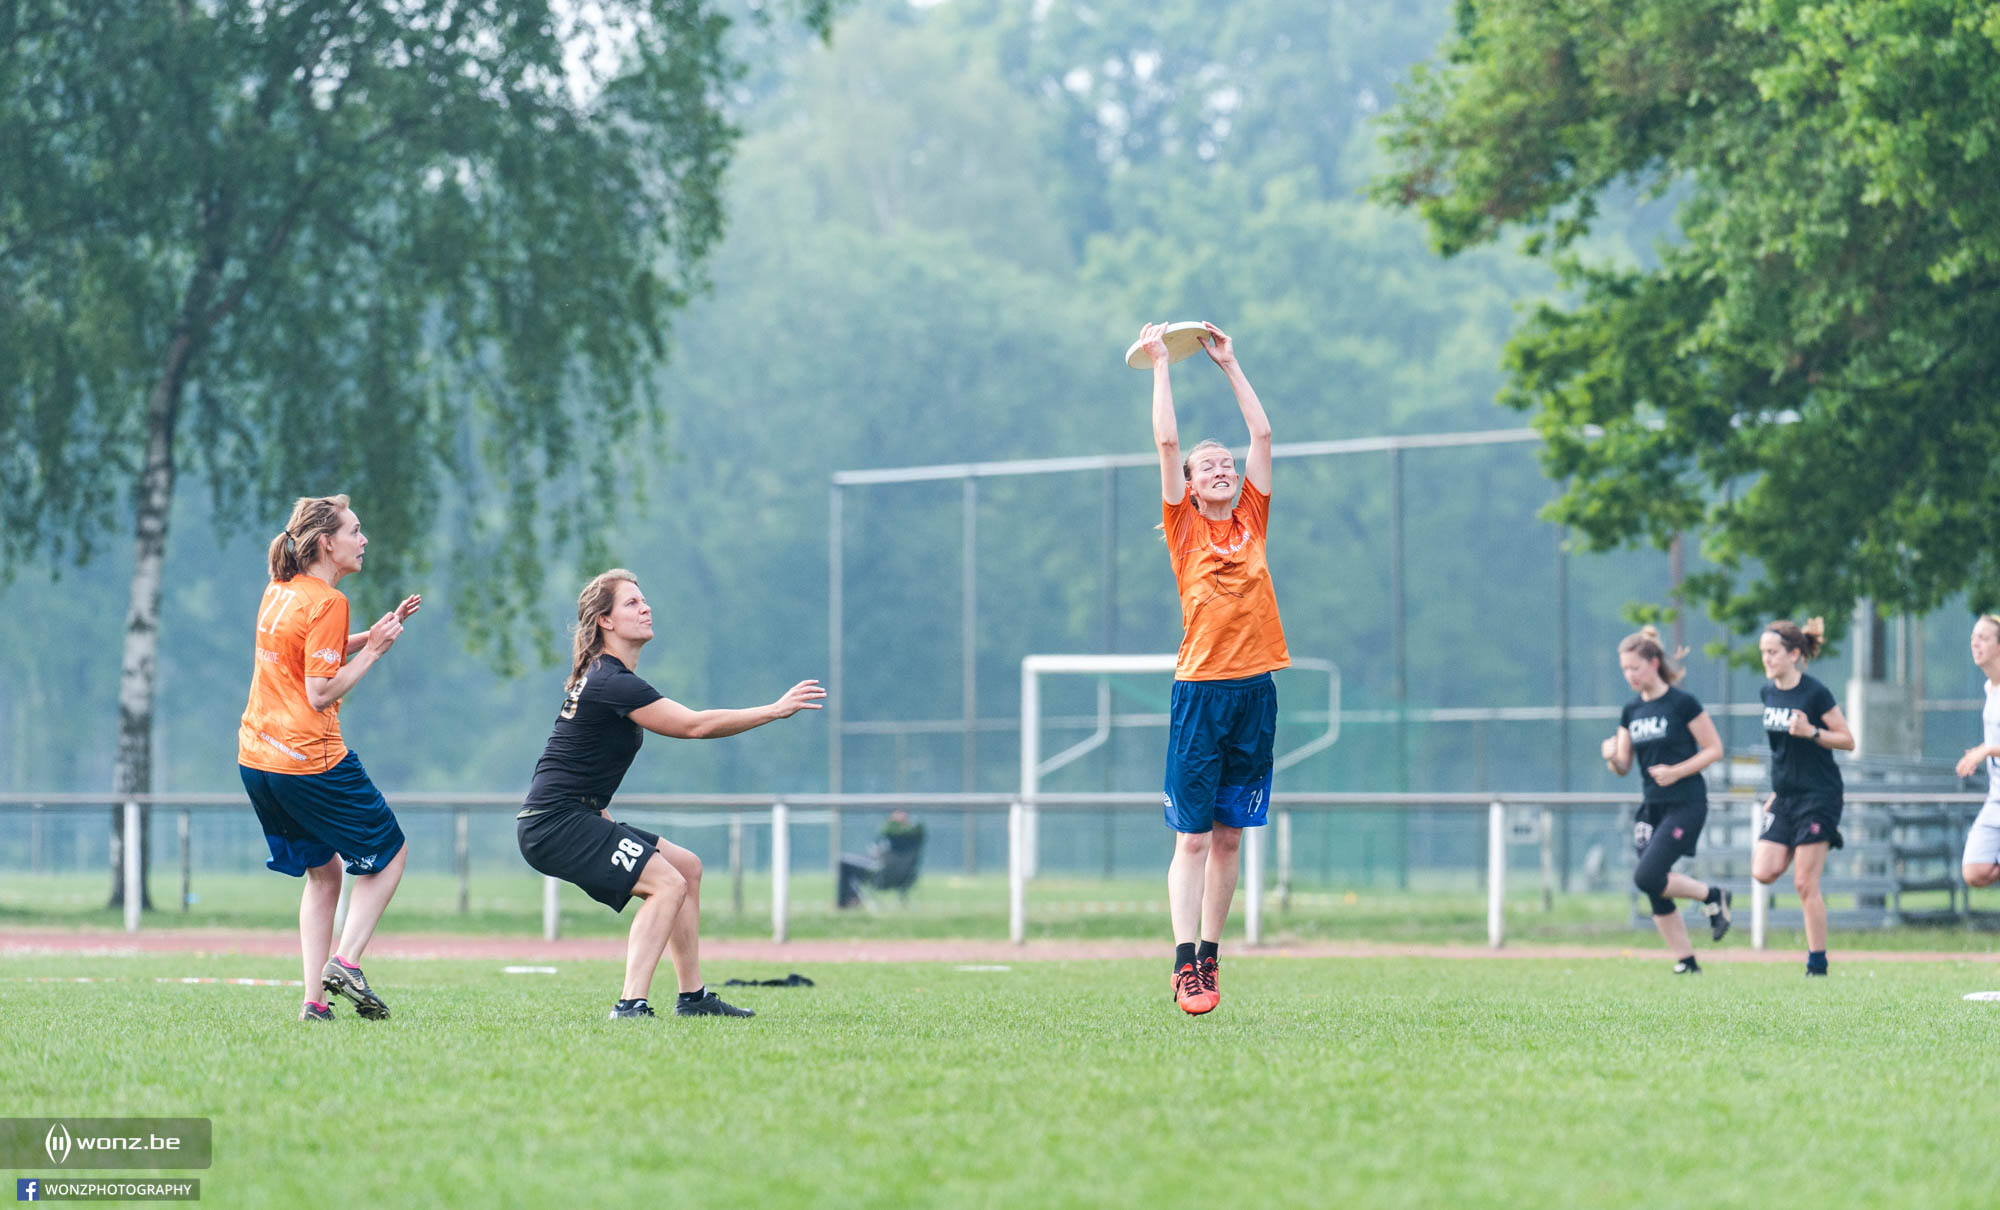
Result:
pixel 1808 374
pixel 421 254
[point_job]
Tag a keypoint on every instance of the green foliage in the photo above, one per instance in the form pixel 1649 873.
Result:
pixel 423 259
pixel 1807 375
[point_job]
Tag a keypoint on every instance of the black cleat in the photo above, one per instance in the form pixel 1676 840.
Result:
pixel 348 981
pixel 1718 917
pixel 710 1005
pixel 315 1012
pixel 1815 974
pixel 1687 966
pixel 632 1012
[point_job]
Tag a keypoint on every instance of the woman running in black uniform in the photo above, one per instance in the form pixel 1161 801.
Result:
pixel 564 828
pixel 1670 737
pixel 1802 817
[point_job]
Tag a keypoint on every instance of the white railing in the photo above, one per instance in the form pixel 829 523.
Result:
pixel 780 815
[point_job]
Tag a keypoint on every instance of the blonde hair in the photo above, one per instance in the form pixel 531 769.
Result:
pixel 593 604
pixel 1646 645
pixel 1988 617
pixel 313 518
pixel 1806 640
pixel 1187 463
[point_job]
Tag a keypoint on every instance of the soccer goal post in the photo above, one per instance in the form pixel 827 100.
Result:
pixel 1023 839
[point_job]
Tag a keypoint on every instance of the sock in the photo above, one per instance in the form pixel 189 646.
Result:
pixel 1690 963
pixel 1714 894
pixel 344 962
pixel 1816 960
pixel 1183 955
pixel 622 1005
pixel 696 994
pixel 1208 949
pixel 318 1005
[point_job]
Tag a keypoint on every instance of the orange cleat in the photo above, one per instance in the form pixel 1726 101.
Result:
pixel 1207 971
pixel 1189 993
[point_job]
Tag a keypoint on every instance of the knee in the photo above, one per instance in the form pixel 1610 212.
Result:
pixel 1766 874
pixel 1226 842
pixel 688 864
pixel 1652 882
pixel 1981 875
pixel 1807 885
pixel 1661 907
pixel 1192 844
pixel 659 877
pixel 323 876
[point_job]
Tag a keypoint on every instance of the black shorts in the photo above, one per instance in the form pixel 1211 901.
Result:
pixel 1669 828
pixel 1795 819
pixel 600 855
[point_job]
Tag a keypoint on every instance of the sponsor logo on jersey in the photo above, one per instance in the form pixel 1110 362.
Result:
pixel 328 654
pixel 1778 718
pixel 1651 727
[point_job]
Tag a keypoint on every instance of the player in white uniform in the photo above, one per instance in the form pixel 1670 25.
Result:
pixel 1982 842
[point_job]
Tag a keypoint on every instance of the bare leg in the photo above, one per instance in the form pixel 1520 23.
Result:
pixel 1768 860
pixel 684 938
pixel 1680 886
pixel 1219 888
pixel 316 907
pixel 1981 873
pixel 1185 877
pixel 1674 931
pixel 663 889
pixel 1805 878
pixel 372 893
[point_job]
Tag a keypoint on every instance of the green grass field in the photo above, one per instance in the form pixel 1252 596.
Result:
pixel 1588 1083
pixel 945 905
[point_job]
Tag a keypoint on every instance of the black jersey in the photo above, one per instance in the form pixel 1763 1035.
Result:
pixel 594 741
pixel 1799 765
pixel 1660 736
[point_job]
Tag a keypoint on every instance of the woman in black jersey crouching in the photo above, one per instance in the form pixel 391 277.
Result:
pixel 566 831
pixel 1670 737
pixel 1802 816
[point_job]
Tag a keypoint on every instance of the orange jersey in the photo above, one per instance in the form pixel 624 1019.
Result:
pixel 301 632
pixel 1229 613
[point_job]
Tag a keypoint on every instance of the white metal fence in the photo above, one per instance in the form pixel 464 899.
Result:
pixel 1515 822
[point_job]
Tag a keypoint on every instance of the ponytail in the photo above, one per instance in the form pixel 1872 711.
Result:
pixel 1646 645
pixel 297 545
pixel 593 604
pixel 1807 640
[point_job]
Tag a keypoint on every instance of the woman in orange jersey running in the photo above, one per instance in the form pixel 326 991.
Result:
pixel 312 796
pixel 1225 707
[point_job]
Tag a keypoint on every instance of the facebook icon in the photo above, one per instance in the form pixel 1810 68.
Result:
pixel 24 1189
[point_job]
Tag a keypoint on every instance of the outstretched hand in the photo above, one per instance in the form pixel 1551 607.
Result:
pixel 1970 762
pixel 384 633
pixel 803 696
pixel 1216 343
pixel 410 605
pixel 1151 340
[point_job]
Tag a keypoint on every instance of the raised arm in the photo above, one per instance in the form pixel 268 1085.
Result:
pixel 1166 429
pixel 1617 752
pixel 1256 467
pixel 410 605
pixel 668 717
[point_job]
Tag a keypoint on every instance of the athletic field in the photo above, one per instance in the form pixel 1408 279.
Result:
pixel 1585 1080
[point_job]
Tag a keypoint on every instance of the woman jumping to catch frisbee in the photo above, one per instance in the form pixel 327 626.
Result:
pixel 1225 707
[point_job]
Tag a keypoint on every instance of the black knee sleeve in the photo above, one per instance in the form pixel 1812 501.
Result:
pixel 1661 907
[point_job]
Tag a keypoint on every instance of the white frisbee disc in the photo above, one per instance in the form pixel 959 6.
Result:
pixel 1982 995
pixel 1183 340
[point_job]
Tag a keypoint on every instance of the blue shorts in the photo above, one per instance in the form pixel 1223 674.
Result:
pixel 309 818
pixel 1219 753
